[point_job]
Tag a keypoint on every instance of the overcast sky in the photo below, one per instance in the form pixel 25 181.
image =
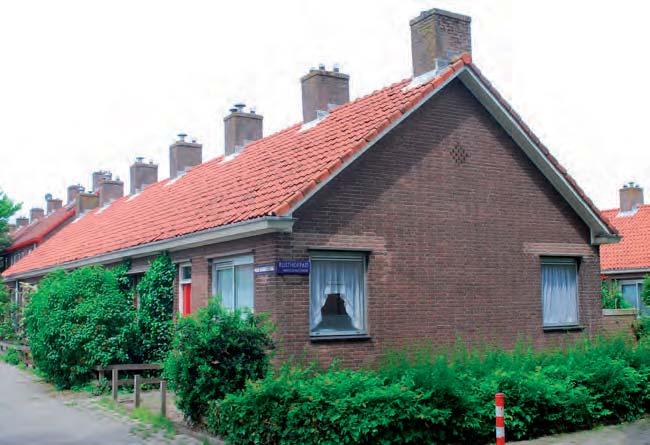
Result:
pixel 86 85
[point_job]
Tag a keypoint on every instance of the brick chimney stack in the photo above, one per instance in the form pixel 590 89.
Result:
pixel 110 190
pixel 52 204
pixel 183 155
pixel 241 127
pixel 22 221
pixel 86 202
pixel 438 36
pixel 141 175
pixel 323 90
pixel 36 213
pixel 98 177
pixel 73 192
pixel 631 196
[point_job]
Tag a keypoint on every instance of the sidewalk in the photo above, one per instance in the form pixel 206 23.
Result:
pixel 636 433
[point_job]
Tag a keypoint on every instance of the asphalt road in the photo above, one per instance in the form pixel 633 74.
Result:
pixel 32 412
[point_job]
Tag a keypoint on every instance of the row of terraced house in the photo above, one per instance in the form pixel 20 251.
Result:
pixel 427 210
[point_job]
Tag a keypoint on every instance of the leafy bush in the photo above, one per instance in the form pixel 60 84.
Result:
pixel 8 309
pixel 641 328
pixel 155 314
pixel 611 295
pixel 78 320
pixel 12 357
pixel 430 398
pixel 213 354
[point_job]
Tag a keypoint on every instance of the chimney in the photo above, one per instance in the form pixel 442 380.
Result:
pixel 183 155
pixel 98 177
pixel 52 204
pixel 142 174
pixel 86 201
pixel 11 227
pixel 322 91
pixel 241 127
pixel 110 190
pixel 73 192
pixel 22 221
pixel 631 196
pixel 438 36
pixel 35 214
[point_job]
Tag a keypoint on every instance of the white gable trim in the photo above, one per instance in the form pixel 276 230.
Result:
pixel 600 233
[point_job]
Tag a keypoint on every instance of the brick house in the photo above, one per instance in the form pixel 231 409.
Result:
pixel 29 233
pixel 423 211
pixel 628 262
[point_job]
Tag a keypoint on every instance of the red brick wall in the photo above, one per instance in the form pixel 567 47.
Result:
pixel 448 205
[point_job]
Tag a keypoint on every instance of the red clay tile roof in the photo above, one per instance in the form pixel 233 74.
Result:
pixel 633 251
pixel 268 177
pixel 36 232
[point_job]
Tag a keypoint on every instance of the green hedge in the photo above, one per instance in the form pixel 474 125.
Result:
pixel 214 353
pixel 78 320
pixel 425 398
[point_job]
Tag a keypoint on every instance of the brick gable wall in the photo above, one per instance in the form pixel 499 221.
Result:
pixel 447 203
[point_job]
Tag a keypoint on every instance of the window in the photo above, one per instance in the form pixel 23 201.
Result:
pixel 185 289
pixel 233 281
pixel 337 293
pixel 631 291
pixel 560 291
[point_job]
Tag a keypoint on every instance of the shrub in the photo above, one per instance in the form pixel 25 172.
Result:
pixel 8 308
pixel 428 398
pixel 155 314
pixel 213 354
pixel 641 327
pixel 12 357
pixel 78 320
pixel 611 295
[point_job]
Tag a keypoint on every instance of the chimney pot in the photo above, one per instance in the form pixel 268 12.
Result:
pixel 141 175
pixel 184 155
pixel 240 128
pixel 99 176
pixel 86 202
pixel 182 136
pixel 631 197
pixel 323 90
pixel 437 36
pixel 52 204
pixel 22 221
pixel 110 190
pixel 73 191
pixel 35 214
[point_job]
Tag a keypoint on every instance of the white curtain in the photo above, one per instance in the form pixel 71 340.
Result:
pixel 342 277
pixel 559 293
pixel 225 287
pixel 244 278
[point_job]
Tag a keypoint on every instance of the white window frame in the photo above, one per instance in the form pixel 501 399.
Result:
pixel 231 263
pixel 637 306
pixel 181 282
pixel 563 261
pixel 341 255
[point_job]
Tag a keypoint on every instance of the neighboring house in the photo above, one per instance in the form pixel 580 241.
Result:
pixel 425 211
pixel 41 225
pixel 629 261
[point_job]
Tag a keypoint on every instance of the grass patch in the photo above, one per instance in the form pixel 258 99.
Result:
pixel 156 421
pixel 11 356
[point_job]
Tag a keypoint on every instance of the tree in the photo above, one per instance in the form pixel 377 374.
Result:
pixel 7 209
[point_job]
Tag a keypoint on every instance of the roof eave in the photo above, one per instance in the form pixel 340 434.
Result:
pixel 245 229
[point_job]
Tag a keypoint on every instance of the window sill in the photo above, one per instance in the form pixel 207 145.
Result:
pixel 342 337
pixel 563 328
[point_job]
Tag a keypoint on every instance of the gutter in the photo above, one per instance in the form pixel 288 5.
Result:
pixel 245 229
pixel 619 271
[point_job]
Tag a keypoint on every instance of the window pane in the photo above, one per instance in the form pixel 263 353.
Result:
pixel 244 282
pixel 186 273
pixel 630 294
pixel 337 295
pixel 224 287
pixel 559 294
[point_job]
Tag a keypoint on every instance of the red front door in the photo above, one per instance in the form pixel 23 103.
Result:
pixel 187 291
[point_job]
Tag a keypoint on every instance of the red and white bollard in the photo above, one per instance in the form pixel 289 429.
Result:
pixel 500 402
